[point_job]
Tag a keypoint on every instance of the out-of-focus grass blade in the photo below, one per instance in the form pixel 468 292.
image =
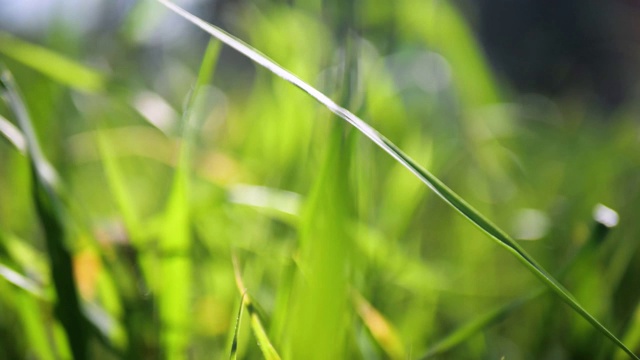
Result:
pixel 382 331
pixel 117 185
pixel 30 295
pixel 58 67
pixel 430 180
pixel 175 243
pixel 280 204
pixel 69 72
pixel 604 219
pixel 50 212
pixel 268 351
pixel 319 300
pixel 21 281
pixel 11 133
pixel 632 335
pixel 478 324
pixel 447 32
pixel 234 343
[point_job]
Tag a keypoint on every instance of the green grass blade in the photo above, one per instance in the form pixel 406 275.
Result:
pixel 268 351
pixel 478 324
pixel 54 65
pixel 13 135
pixel 380 328
pixel 21 281
pixel 604 220
pixel 117 186
pixel 30 297
pixel 175 243
pixel 632 335
pixel 320 293
pixel 430 180
pixel 233 354
pixel 50 211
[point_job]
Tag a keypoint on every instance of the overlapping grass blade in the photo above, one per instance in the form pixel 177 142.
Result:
pixel 13 135
pixel 233 354
pixel 320 295
pixel 69 72
pixel 175 243
pixel 268 351
pixel 58 67
pixel 31 296
pixel 430 180
pixel 21 281
pixel 600 229
pixel 381 329
pixel 50 211
pixel 117 185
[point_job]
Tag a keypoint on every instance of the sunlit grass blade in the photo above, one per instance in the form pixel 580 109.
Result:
pixel 268 351
pixel 632 335
pixel 21 281
pixel 478 324
pixel 319 300
pixel 233 354
pixel 36 330
pixel 12 134
pixel 30 296
pixel 604 220
pixel 175 243
pixel 69 72
pixel 381 329
pixel 430 180
pixel 116 183
pixel 58 67
pixel 50 211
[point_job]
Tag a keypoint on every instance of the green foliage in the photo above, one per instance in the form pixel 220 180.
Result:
pixel 186 215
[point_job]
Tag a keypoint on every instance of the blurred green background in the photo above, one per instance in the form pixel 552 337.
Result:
pixel 187 175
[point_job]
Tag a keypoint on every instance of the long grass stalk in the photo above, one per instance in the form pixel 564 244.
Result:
pixel 600 230
pixel 50 211
pixel 175 244
pixel 426 177
pixel 266 347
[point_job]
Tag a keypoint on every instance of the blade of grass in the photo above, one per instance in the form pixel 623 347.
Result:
pixel 29 300
pixel 175 243
pixel 604 220
pixel 234 343
pixel 382 331
pixel 58 67
pixel 71 73
pixel 50 211
pixel 319 304
pixel 632 335
pixel 117 186
pixel 430 180
pixel 13 135
pixel 21 281
pixel 268 351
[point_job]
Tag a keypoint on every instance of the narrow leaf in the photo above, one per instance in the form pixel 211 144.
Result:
pixel 11 133
pixel 50 211
pixel 175 243
pixel 430 180
pixel 268 351
pixel 234 343
pixel 52 64
pixel 604 220
pixel 382 331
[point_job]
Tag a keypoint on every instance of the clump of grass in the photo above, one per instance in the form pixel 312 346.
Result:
pixel 430 180
pixel 343 254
